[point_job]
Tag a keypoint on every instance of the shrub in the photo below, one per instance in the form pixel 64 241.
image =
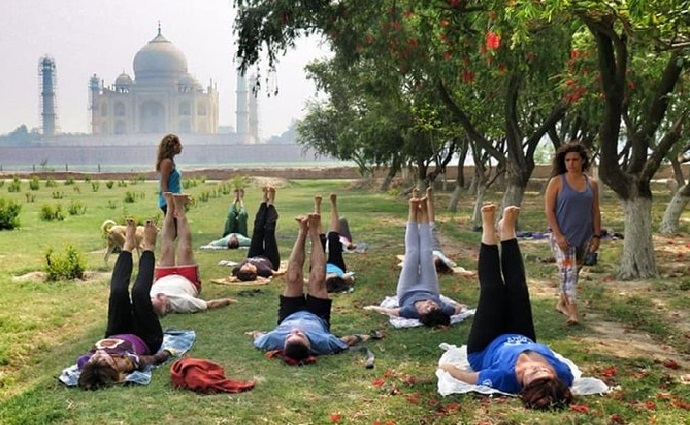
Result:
pixel 76 208
pixel 121 183
pixel 15 185
pixel 203 196
pixel 58 195
pixel 69 181
pixel 50 182
pixel 95 186
pixel 30 197
pixel 130 197
pixel 68 265
pixel 76 189
pixel 34 183
pixel 87 178
pixel 9 214
pixel 112 204
pixel 51 213
pixel 109 184
pixel 2 183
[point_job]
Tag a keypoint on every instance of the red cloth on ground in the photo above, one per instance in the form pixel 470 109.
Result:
pixel 205 377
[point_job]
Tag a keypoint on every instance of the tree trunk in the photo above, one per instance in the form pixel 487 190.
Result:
pixel 388 180
pixel 454 199
pixel 669 224
pixel 477 210
pixel 638 249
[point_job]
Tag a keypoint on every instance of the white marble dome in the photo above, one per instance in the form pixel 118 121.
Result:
pixel 159 59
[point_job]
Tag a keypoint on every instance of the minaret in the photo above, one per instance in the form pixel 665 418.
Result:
pixel 94 91
pixel 253 113
pixel 242 108
pixel 47 80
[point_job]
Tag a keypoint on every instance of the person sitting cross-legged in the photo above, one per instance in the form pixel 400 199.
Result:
pixel 177 285
pixel 337 278
pixel 304 319
pixel 263 258
pixel 501 347
pixel 418 289
pixel 133 334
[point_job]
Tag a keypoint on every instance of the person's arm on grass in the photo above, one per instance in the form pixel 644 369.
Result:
pixel 383 310
pixel 255 334
pixel 220 302
pixel 462 375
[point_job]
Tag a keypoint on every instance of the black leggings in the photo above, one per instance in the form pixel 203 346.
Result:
pixel 264 235
pixel 335 250
pixel 503 308
pixel 135 316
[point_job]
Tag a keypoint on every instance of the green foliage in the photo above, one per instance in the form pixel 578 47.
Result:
pixel 63 266
pixel 130 197
pixel 50 182
pixel 34 183
pixel 2 183
pixel 9 214
pixel 111 204
pixel 204 196
pixel 95 185
pixel 58 195
pixel 30 197
pixel 121 183
pixel 69 181
pixel 109 184
pixel 87 178
pixel 51 212
pixel 76 208
pixel 190 183
pixel 15 185
pixel 76 189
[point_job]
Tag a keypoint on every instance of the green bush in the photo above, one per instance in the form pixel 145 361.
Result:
pixel 9 214
pixel 112 204
pixel 34 183
pixel 15 185
pixel 51 213
pixel 2 183
pixel 203 196
pixel 76 189
pixel 109 184
pixel 76 208
pixel 58 195
pixel 95 186
pixel 68 265
pixel 130 197
pixel 121 183
pixel 30 197
pixel 69 181
pixel 50 182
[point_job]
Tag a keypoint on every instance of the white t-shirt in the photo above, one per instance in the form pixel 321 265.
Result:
pixel 181 293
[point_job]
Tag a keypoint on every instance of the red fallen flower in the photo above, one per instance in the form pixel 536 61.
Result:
pixel 412 398
pixel 378 382
pixel 335 417
pixel 389 373
pixel 574 54
pixel 445 22
pixel 408 13
pixel 609 371
pixel 448 55
pixel 580 408
pixel 680 403
pixel 650 405
pixel 671 364
pixel 616 419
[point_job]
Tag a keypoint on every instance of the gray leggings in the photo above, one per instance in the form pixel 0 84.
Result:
pixel 418 272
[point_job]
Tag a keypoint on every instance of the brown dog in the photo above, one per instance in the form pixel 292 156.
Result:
pixel 115 237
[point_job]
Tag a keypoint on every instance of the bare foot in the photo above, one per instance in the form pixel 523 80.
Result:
pixel 423 216
pixel 317 203
pixel 314 220
pixel 413 204
pixel 271 195
pixel 150 235
pixel 241 191
pixel 507 224
pixel 237 195
pixel 415 193
pixel 303 222
pixel 264 197
pixel 488 214
pixel 561 308
pixel 130 236
pixel 181 200
pixel 488 224
pixel 430 192
pixel 333 198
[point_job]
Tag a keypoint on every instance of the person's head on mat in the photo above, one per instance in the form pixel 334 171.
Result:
pixel 297 346
pixel 247 272
pixel 233 242
pixel 102 370
pixel 161 305
pixel 441 266
pixel 546 393
pixel 434 318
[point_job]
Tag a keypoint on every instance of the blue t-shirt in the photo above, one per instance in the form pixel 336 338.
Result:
pixel 408 310
pixel 173 186
pixel 496 364
pixel 315 328
pixel 331 268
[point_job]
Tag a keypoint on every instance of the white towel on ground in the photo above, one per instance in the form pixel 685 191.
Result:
pixel 403 322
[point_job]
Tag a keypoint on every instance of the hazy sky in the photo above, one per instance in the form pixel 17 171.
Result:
pixel 89 36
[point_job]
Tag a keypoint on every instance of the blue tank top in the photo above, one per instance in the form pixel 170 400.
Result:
pixel 173 185
pixel 574 213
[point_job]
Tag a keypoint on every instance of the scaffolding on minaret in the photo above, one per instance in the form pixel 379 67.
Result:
pixel 47 85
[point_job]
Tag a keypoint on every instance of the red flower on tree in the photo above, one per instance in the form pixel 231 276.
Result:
pixel 493 41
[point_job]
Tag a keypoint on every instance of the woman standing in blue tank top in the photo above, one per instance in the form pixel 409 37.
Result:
pixel 573 215
pixel 170 177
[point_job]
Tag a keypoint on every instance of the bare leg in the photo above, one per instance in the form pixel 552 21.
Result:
pixel 185 254
pixel 507 224
pixel 150 235
pixel 271 195
pixel 423 216
pixel 264 196
pixel 294 279
pixel 488 226
pixel 169 233
pixel 430 204
pixel 334 225
pixel 317 274
pixel 317 210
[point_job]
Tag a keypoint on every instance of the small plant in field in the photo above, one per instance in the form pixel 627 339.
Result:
pixel 50 182
pixel 187 184
pixel 202 179
pixel 2 183
pixel 51 213
pixel 214 193
pixel 112 204
pixel 58 195
pixel 684 285
pixel 76 208
pixel 95 186
pixel 15 185
pixel 121 183
pixel 225 189
pixel 109 184
pixel 30 197
pixel 9 214
pixel 34 183
pixel 67 265
pixel 76 189
pixel 239 181
pixel 130 197
pixel 203 196
pixel 69 181
pixel 87 178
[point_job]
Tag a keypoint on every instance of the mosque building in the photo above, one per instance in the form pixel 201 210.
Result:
pixel 163 97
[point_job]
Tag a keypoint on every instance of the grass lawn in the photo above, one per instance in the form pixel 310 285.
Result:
pixel 633 336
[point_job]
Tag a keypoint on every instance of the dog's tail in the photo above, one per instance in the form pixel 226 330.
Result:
pixel 105 227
